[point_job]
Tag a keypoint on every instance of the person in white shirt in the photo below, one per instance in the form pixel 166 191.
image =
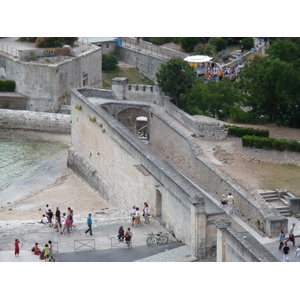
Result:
pixel 44 220
pixel 133 213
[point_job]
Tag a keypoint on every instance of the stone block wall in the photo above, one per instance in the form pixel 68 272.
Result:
pixel 36 121
pixel 209 130
pixel 47 86
pixel 13 101
pixel 233 246
pixel 147 64
pixel 178 146
pixel 127 172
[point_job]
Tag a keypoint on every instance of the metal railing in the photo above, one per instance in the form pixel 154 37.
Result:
pixel 151 49
pixel 114 242
pixel 9 50
pixel 78 244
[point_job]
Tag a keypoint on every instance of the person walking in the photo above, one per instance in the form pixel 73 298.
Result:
pixel 17 248
pixel 133 213
pixel 89 223
pixel 230 203
pixel 57 215
pixel 291 237
pixel 285 251
pixel 128 236
pixel 121 234
pixel 146 213
pixel 224 202
pixel 297 253
pixel 51 253
pixel 46 252
pixel 137 218
pixel 281 239
pixel 64 225
pixel 50 216
pixel 47 209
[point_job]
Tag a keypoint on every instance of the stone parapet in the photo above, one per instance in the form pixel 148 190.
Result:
pixel 35 121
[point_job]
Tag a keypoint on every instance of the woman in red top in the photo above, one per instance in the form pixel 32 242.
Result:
pixel 17 247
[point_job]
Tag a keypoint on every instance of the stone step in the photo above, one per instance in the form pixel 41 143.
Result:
pixel 286 214
pixel 268 193
pixel 271 199
pixel 282 208
pixel 270 196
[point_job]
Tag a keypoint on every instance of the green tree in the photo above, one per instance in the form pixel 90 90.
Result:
pixel 109 62
pixel 188 43
pixel 48 42
pixel 218 42
pixel 175 77
pixel 214 99
pixel 271 85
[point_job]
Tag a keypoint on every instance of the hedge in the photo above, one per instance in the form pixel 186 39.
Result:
pixel 242 131
pixel 270 143
pixel 7 86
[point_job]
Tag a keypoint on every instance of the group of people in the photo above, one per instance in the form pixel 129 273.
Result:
pixel 125 236
pixel 283 246
pixel 46 254
pixel 135 215
pixel 227 202
pixel 63 222
pixel 217 71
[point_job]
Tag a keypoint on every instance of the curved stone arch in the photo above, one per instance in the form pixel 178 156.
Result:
pixel 128 116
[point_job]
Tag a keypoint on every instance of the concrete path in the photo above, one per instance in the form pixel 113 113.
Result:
pixel 103 240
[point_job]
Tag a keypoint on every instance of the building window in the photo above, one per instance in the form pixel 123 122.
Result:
pixel 85 79
pixel 107 46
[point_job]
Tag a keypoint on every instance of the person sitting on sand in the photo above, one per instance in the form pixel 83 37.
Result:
pixel 44 220
pixel 36 250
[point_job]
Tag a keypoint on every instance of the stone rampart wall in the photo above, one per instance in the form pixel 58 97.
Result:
pixel 233 246
pixel 177 145
pixel 12 101
pixel 209 130
pixel 108 155
pixel 35 121
pixel 47 86
pixel 146 63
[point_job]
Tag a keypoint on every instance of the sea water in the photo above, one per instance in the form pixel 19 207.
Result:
pixel 27 166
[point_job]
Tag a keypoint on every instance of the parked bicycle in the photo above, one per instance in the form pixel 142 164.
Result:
pixel 158 238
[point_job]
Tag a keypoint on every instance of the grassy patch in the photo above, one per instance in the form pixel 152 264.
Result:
pixel 133 74
pixel 278 176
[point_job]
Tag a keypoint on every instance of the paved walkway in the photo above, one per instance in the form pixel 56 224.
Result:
pixel 106 249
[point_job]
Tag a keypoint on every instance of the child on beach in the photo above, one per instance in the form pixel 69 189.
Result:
pixel 17 247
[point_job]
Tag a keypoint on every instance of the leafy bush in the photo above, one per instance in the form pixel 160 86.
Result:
pixel 224 55
pixel 242 131
pixel 218 42
pixel 270 143
pixel 159 40
pixel 49 42
pixel 248 42
pixel 189 43
pixel 27 39
pixel 7 86
pixel 205 49
pixel 109 62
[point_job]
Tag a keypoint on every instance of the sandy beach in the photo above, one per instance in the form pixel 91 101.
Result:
pixel 64 189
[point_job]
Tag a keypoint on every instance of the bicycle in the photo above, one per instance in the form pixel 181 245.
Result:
pixel 158 238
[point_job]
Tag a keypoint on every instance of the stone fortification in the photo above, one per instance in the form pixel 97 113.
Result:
pixel 36 121
pixel 13 101
pixel 233 246
pixel 47 86
pixel 147 64
pixel 176 144
pixel 128 172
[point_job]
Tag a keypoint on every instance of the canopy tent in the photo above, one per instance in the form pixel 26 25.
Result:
pixel 198 59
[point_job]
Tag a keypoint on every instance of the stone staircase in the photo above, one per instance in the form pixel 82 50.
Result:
pixel 272 196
